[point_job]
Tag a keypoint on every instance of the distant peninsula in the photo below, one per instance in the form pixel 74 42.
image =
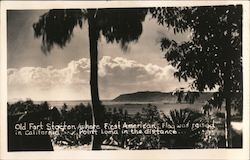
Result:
pixel 156 96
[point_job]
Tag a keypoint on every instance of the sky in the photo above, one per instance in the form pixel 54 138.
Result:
pixel 63 74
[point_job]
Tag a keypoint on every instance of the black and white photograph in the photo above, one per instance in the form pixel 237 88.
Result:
pixel 166 78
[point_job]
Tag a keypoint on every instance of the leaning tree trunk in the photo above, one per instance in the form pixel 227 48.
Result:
pixel 97 108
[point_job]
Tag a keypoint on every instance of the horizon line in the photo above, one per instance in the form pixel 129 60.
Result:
pixel 28 98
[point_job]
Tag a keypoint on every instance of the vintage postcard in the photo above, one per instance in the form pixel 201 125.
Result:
pixel 124 80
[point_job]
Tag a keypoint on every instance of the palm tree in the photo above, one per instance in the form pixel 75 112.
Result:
pixel 116 25
pixel 182 120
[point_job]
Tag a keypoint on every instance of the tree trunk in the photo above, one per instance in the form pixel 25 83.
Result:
pixel 228 128
pixel 97 108
pixel 228 96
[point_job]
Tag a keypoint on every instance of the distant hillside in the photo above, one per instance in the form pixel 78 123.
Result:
pixel 155 96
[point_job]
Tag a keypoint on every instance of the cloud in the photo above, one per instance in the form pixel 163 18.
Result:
pixel 50 83
pixel 75 72
pixel 116 75
pixel 120 75
pixel 121 70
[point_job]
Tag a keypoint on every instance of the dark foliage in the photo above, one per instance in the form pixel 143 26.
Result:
pixel 56 27
pixel 213 56
pixel 24 112
pixel 187 135
pixel 116 25
pixel 121 25
pixel 78 114
pixel 215 44
pixel 188 97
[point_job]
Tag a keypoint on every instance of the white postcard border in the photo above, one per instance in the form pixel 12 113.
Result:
pixel 145 154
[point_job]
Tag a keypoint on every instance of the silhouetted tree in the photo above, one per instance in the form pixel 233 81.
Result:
pixel 44 106
pixel 213 56
pixel 180 94
pixel 116 25
pixel 191 96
